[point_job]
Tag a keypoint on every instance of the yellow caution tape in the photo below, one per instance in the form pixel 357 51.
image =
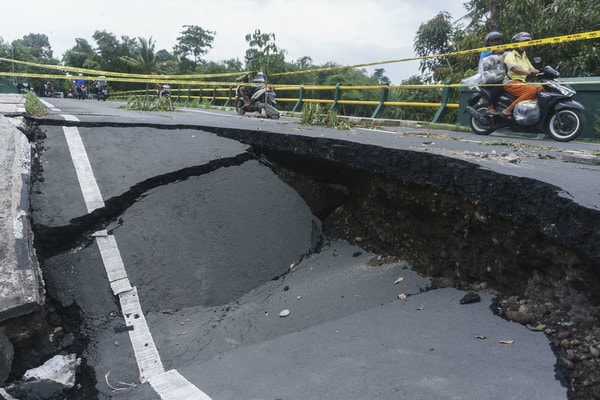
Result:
pixel 184 79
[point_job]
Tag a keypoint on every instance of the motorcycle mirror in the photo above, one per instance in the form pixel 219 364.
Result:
pixel 537 60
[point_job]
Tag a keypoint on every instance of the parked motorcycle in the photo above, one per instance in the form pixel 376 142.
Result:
pixel 553 112
pixel 261 98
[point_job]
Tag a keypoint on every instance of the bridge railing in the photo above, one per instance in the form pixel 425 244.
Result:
pixel 332 96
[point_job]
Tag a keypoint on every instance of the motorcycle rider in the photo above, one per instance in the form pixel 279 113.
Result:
pixel 246 91
pixel 80 85
pixel 519 69
pixel 488 69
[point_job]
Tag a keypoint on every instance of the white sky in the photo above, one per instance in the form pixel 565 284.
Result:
pixel 348 32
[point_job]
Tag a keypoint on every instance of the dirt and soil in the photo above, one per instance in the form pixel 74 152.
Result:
pixel 537 280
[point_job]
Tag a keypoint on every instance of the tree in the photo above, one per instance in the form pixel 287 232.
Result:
pixel 194 42
pixel 39 47
pixel 80 55
pixel 436 36
pixel 381 79
pixel 543 18
pixel 263 54
pixel 34 48
pixel 145 60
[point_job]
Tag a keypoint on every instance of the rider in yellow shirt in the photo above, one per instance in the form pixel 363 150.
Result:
pixel 519 69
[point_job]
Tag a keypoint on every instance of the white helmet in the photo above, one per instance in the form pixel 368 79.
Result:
pixel 260 78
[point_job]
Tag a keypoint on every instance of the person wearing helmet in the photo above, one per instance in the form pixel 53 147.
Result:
pixel 491 69
pixel 519 69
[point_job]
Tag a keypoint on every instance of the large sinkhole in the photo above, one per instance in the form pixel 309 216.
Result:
pixel 457 224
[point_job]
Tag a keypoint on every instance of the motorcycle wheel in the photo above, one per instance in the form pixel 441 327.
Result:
pixel 477 127
pixel 565 125
pixel 271 112
pixel 239 107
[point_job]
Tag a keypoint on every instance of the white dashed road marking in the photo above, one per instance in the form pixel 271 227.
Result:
pixel 170 385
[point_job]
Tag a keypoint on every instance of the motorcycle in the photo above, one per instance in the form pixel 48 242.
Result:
pixel 102 88
pixel 81 91
pixel 261 98
pixel 48 90
pixel 553 112
pixel 164 91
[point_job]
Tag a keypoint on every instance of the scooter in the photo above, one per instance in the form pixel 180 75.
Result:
pixel 102 91
pixel 81 91
pixel 261 99
pixel 165 91
pixel 554 112
pixel 48 90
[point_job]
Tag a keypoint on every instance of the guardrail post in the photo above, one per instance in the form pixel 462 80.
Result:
pixel 228 98
pixel 298 106
pixel 336 96
pixel 189 96
pixel 213 101
pixel 445 95
pixel 200 95
pixel 382 99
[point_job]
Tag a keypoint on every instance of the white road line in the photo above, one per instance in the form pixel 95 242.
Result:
pixel 50 106
pixel 89 188
pixel 169 385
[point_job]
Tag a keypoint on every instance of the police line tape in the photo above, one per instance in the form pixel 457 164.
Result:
pixel 184 79
pixel 509 46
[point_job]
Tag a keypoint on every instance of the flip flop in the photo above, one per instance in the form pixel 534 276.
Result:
pixel 507 116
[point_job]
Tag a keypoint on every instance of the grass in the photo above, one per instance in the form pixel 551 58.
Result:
pixel 149 103
pixel 33 105
pixel 312 114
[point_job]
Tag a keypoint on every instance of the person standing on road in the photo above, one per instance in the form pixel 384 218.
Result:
pixel 519 69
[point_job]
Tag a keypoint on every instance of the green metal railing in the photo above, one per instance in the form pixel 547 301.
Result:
pixel 225 95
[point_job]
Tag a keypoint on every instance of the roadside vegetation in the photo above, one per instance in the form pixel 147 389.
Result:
pixel 149 103
pixel 33 105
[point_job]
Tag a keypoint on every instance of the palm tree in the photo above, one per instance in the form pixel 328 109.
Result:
pixel 145 60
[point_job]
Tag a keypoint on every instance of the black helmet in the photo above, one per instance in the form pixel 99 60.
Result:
pixel 492 36
pixel 521 37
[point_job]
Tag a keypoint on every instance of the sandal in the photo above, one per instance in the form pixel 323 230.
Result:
pixel 492 112
pixel 505 115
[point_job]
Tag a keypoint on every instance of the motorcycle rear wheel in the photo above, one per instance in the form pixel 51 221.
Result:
pixel 477 127
pixel 570 128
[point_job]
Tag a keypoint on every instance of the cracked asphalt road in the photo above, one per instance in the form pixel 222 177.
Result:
pixel 216 256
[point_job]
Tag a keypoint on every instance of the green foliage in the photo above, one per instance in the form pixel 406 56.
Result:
pixel 149 103
pixel 263 54
pixel 144 60
pixel 413 96
pixel 312 114
pixel 543 18
pixel 194 42
pixel 437 36
pixel 33 106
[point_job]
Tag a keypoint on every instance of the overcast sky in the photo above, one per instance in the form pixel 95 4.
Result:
pixel 346 32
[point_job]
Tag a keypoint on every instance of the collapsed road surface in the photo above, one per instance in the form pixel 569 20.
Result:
pixel 279 262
